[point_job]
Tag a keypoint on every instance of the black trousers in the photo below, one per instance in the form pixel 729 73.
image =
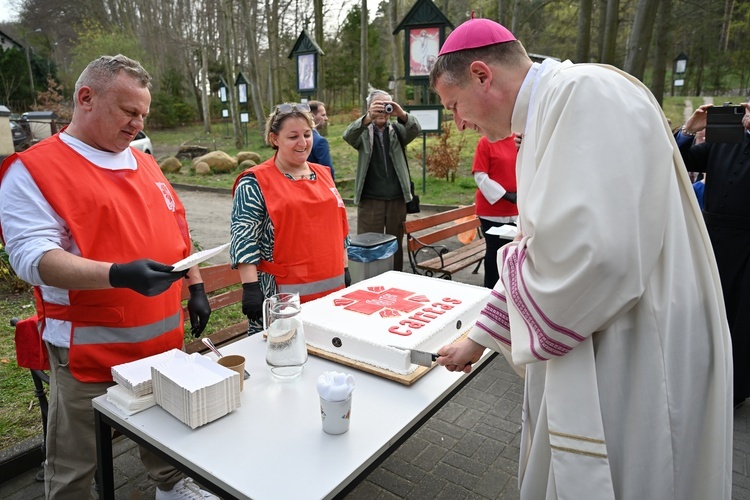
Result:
pixel 493 244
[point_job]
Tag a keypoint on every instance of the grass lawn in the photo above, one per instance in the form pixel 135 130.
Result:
pixel 19 410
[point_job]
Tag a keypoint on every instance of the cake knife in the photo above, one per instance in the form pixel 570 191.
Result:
pixel 422 358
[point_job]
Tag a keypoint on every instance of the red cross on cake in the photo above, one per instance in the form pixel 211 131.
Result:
pixel 375 298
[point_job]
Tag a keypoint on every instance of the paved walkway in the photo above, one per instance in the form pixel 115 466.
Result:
pixel 467 450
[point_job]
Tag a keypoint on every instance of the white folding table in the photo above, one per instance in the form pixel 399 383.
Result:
pixel 273 446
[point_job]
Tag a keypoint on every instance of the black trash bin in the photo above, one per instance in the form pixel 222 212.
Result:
pixel 371 254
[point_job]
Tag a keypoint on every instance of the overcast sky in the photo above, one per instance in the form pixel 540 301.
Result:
pixel 8 13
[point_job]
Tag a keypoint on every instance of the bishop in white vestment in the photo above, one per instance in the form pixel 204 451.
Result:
pixel 609 301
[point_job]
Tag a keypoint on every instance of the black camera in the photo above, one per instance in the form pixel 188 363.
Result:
pixel 388 108
pixel 724 123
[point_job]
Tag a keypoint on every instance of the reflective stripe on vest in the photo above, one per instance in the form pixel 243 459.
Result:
pixel 314 287
pixel 133 334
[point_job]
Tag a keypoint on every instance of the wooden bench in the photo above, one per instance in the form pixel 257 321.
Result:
pixel 216 278
pixel 424 235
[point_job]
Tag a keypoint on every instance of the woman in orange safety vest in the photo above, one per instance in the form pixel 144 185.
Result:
pixel 289 229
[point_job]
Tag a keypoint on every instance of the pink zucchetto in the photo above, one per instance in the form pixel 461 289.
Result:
pixel 476 33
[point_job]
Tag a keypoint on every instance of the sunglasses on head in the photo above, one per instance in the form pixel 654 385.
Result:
pixel 288 107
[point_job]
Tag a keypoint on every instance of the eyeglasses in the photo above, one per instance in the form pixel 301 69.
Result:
pixel 289 107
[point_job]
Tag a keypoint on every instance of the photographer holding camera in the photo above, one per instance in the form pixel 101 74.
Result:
pixel 381 184
pixel 727 215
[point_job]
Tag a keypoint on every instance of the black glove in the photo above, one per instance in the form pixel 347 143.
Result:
pixel 252 301
pixel 511 197
pixel 145 276
pixel 198 308
pixel 347 277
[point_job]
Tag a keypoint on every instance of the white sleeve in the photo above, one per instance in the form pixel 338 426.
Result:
pixel 491 190
pixel 492 329
pixel 30 226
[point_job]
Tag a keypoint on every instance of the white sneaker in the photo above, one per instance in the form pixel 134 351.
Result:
pixel 185 488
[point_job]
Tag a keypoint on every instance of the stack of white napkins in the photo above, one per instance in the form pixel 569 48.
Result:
pixel 195 389
pixel 507 231
pixel 133 389
pixel 136 375
pixel 126 402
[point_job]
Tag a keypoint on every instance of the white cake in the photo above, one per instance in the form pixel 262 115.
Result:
pixel 393 309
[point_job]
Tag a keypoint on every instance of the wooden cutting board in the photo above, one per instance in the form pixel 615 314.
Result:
pixel 366 367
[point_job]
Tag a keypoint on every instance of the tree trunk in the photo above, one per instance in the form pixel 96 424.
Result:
pixel 583 43
pixel 320 40
pixel 726 25
pixel 250 14
pixel 640 38
pixel 226 10
pixel 205 90
pixel 516 16
pixel 274 51
pixel 663 35
pixel 396 60
pixel 189 39
pixel 698 64
pixel 363 76
pixel 610 32
pixel 602 27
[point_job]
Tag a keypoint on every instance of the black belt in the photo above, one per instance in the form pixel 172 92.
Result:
pixel 733 221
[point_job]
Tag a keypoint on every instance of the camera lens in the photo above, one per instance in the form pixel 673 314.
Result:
pixel 388 108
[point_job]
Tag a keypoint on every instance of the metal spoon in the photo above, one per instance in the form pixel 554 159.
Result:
pixel 211 346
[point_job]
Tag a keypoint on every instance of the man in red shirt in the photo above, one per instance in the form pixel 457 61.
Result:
pixel 494 172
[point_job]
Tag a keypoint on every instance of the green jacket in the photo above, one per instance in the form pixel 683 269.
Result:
pixel 360 138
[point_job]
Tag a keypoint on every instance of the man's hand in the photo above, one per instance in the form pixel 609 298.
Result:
pixel 382 108
pixel 398 111
pixel 252 301
pixel 377 108
pixel 347 277
pixel 459 356
pixel 198 308
pixel 145 276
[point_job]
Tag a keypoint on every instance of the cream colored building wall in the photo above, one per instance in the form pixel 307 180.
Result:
pixel 6 138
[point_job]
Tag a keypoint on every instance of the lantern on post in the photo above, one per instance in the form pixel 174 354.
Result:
pixel 306 53
pixel 241 83
pixel 223 97
pixel 222 89
pixel 679 69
